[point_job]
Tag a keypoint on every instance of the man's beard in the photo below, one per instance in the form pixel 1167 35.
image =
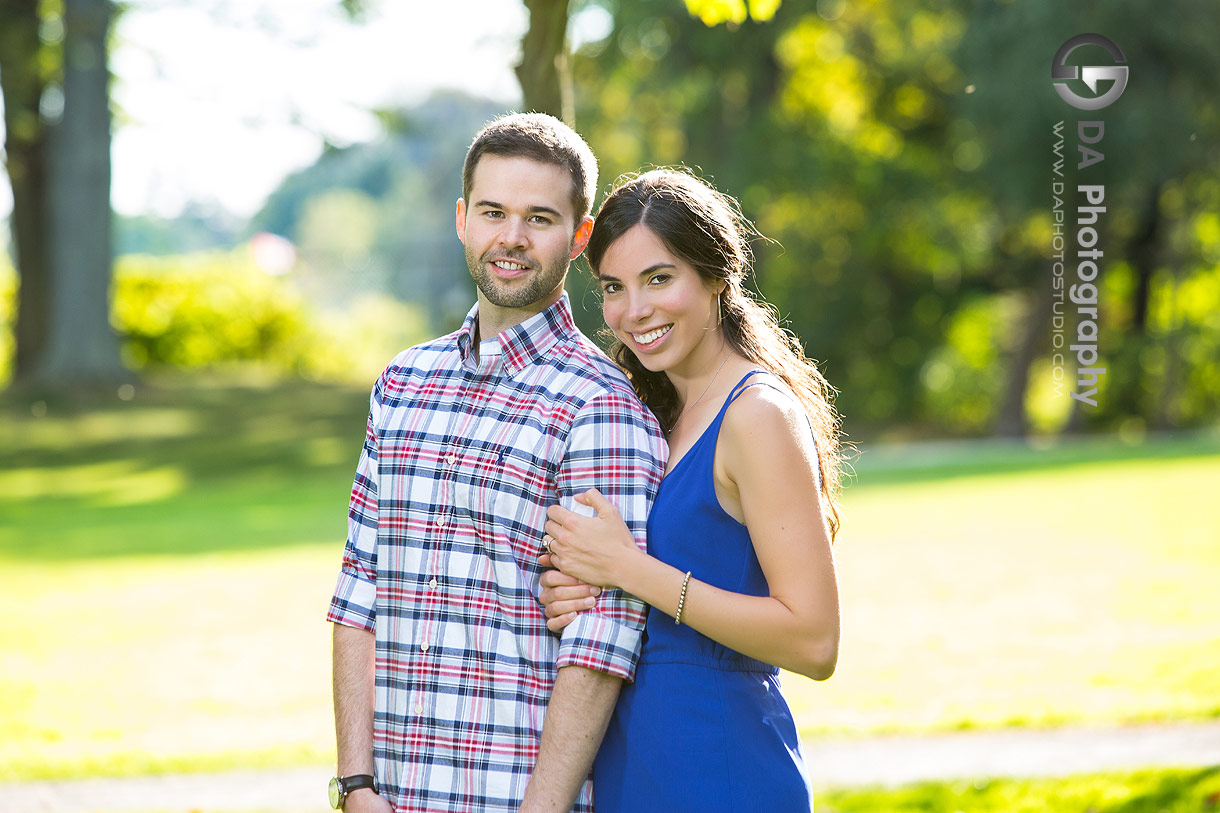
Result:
pixel 539 284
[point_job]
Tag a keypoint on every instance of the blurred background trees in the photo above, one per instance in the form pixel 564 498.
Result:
pixel 57 148
pixel 897 154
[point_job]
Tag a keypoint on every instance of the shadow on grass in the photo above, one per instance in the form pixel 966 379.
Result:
pixel 188 467
pixel 945 460
pixel 205 430
pixel 197 465
pixel 1186 790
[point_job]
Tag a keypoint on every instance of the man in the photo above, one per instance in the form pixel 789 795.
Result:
pixel 443 665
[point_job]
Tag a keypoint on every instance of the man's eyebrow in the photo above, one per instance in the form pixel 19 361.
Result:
pixel 491 204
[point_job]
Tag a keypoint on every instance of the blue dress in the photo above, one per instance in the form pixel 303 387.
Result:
pixel 703 727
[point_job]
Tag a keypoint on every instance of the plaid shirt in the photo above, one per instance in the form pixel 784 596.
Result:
pixel 461 459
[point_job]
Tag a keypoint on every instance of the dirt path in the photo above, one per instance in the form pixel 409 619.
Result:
pixel 839 762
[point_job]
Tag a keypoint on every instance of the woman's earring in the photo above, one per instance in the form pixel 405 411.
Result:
pixel 719 311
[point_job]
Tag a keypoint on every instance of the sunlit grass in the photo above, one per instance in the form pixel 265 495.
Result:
pixel 165 565
pixel 169 562
pixel 1067 595
pixel 1153 791
pixel 134 664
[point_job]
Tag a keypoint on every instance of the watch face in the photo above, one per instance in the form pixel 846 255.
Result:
pixel 336 794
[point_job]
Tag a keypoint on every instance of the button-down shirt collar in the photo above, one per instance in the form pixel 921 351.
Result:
pixel 524 343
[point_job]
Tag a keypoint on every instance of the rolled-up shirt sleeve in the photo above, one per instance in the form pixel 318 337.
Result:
pixel 354 603
pixel 615 446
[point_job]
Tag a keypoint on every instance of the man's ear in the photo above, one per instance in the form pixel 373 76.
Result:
pixel 461 220
pixel 581 238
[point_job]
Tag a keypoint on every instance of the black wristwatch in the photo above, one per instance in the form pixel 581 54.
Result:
pixel 341 786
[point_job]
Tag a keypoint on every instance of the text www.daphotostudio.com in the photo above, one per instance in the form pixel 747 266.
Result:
pixel 1083 291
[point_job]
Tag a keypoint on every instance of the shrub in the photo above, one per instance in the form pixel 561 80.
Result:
pixel 199 310
pixel 220 308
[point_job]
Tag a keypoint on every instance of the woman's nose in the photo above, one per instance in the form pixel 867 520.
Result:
pixel 639 306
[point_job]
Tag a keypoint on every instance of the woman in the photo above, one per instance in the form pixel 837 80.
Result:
pixel 740 575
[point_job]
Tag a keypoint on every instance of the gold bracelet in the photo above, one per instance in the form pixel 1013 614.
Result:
pixel 682 599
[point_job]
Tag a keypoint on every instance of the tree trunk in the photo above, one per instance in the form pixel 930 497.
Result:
pixel 1166 413
pixel 545 72
pixel 1143 251
pixel 81 346
pixel 22 84
pixel 1011 419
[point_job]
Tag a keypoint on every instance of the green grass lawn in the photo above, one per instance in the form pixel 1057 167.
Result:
pixel 1159 791
pixel 168 562
pixel 165 563
pixel 996 585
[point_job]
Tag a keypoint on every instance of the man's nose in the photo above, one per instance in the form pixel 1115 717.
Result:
pixel 514 234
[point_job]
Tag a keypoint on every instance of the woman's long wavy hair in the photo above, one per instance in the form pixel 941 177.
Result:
pixel 706 229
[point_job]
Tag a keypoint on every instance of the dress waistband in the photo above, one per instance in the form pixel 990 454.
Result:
pixel 742 664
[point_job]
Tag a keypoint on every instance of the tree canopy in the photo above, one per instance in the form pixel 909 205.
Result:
pixel 898 156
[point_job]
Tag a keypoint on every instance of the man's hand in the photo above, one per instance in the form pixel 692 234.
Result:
pixel 563 596
pixel 365 801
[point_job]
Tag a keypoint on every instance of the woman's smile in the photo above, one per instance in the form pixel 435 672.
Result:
pixel 652 339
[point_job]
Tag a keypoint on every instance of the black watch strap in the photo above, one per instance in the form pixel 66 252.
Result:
pixel 341 786
pixel 357 781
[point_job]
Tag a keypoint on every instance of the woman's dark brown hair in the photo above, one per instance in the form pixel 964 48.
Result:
pixel 706 229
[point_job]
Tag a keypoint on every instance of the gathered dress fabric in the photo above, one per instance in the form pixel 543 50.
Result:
pixel 702 727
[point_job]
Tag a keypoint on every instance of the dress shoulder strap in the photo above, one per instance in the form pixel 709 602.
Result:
pixel 744 384
pixel 768 380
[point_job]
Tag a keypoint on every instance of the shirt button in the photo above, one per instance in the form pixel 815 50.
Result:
pixel 452 459
pixel 419 709
pixel 432 583
pixel 440 522
pixel 423 647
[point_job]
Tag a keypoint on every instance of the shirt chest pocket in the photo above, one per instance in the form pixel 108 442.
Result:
pixel 476 474
pixel 505 489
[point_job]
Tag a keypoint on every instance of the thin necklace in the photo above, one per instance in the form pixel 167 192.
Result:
pixel 687 408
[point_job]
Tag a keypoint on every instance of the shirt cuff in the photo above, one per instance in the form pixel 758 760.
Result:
pixel 602 644
pixel 354 603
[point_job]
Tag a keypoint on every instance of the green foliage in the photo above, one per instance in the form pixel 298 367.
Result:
pixel 733 12
pixel 205 309
pixel 210 309
pixel 825 130
pixel 8 317
pixel 963 378
pixel 220 308
pixel 893 150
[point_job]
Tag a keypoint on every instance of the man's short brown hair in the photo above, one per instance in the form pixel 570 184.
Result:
pixel 543 138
